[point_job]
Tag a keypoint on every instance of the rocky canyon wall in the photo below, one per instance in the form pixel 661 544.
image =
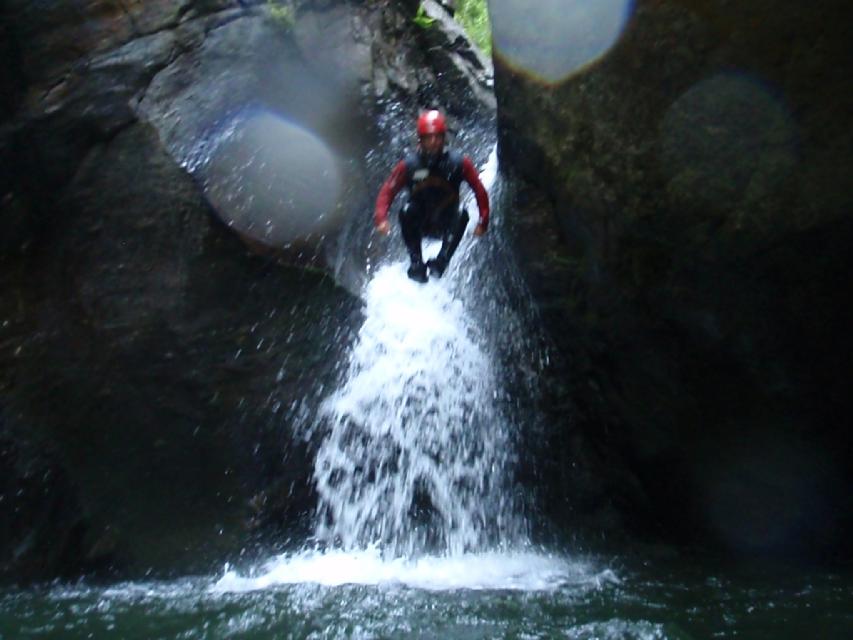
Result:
pixel 685 226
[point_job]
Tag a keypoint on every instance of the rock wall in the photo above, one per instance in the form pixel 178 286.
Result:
pixel 684 222
pixel 161 371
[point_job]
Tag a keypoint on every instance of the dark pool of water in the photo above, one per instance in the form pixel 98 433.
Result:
pixel 620 599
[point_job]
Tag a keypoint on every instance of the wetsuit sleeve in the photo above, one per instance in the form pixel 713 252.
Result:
pixel 390 188
pixel 472 177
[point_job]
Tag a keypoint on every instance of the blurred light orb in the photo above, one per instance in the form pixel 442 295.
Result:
pixel 553 39
pixel 273 181
pixel 729 140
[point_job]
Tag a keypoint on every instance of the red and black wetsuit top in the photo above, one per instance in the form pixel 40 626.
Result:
pixel 432 185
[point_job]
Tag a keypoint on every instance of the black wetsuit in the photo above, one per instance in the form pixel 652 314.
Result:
pixel 433 206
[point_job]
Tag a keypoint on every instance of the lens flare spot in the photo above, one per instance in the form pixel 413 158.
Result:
pixel 553 39
pixel 273 181
pixel 726 142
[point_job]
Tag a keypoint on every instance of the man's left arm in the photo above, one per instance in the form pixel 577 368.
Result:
pixel 472 177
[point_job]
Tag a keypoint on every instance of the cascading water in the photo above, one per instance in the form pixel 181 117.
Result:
pixel 418 452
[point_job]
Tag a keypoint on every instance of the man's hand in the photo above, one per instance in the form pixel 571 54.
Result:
pixel 384 227
pixel 480 229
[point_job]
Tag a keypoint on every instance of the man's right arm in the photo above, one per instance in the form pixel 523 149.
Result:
pixel 390 188
pixel 472 177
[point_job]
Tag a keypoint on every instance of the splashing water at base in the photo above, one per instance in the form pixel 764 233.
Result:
pixel 359 595
pixel 522 571
pixel 416 456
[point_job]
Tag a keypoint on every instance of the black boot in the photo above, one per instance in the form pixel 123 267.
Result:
pixel 437 265
pixel 451 240
pixel 411 221
pixel 417 272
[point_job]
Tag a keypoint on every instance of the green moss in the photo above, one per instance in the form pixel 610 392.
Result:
pixel 422 19
pixel 282 14
pixel 473 15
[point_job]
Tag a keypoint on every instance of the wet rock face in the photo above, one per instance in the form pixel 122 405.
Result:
pixel 686 214
pixel 167 372
pixel 42 522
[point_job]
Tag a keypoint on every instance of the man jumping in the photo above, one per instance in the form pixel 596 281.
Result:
pixel 432 176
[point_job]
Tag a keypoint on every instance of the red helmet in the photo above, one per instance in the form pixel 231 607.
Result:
pixel 431 122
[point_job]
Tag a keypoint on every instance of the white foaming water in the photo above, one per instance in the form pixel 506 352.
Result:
pixel 520 571
pixel 416 456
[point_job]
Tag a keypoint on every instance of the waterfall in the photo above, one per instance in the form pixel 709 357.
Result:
pixel 417 446
pixel 417 454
